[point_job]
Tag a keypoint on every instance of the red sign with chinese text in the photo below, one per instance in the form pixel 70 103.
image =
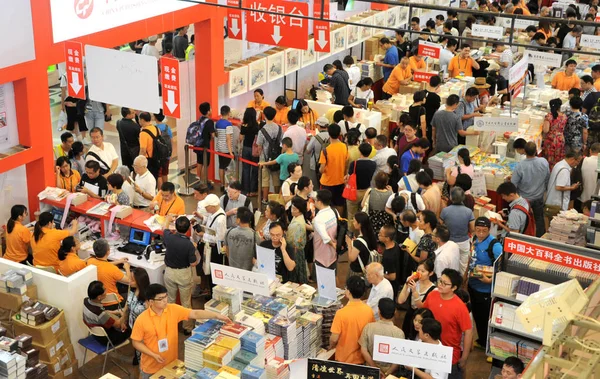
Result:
pixel 423 77
pixel 321 31
pixel 427 50
pixel 547 254
pixel 234 21
pixel 74 63
pixel 169 72
pixel 279 29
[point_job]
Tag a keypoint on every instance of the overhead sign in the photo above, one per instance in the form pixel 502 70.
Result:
pixel 279 29
pixel 245 280
pixel 234 20
pixel 169 75
pixel 496 124
pixel 335 370
pixel 423 77
pixel 429 50
pixel 487 31
pixel 411 353
pixel 76 18
pixel 321 31
pixel 74 64
pixel 590 41
pixel 544 59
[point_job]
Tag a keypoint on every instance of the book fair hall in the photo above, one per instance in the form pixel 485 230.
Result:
pixel 300 189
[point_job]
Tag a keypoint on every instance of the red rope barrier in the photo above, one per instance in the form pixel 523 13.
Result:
pixel 223 154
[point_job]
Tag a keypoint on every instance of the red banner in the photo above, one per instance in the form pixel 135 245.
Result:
pixel 427 50
pixel 547 254
pixel 280 29
pixel 423 77
pixel 234 21
pixel 321 31
pixel 169 71
pixel 75 77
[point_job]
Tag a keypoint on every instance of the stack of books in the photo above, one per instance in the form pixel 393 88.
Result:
pixel 13 283
pixel 275 308
pixel 286 289
pixel 255 343
pixel 8 344
pixel 506 284
pixel 253 372
pixel 206 373
pixel 277 369
pixel 328 314
pixel 248 358
pixel 528 286
pixel 263 317
pixel 215 305
pixel 273 347
pixel 252 322
pixel 231 296
pixel 8 365
pixel 237 365
pixel 194 348
pixel 230 343
pixel 209 327
pixel 286 329
pixel 306 291
pixel 234 330
pixel 227 372
pixel 568 227
pixel 216 357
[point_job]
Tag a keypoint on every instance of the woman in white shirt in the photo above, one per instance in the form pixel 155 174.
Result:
pixel 353 72
pixel 288 188
pixel 362 94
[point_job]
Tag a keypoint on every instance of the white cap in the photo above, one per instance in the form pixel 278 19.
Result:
pixel 210 200
pixel 153 38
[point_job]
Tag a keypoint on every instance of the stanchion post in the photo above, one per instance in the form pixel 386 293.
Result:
pixel 185 189
pixel 259 192
pixel 205 169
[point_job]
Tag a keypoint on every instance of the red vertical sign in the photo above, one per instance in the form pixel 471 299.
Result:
pixel 75 78
pixel 169 70
pixel 280 28
pixel 321 30
pixel 234 20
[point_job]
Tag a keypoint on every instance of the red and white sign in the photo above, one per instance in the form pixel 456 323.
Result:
pixel 234 21
pixel 547 254
pixel 516 76
pixel 279 29
pixel 321 29
pixel 429 50
pixel 75 78
pixel 423 77
pixel 597 18
pixel 169 71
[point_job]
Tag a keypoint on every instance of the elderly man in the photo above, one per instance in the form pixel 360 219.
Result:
pixel 216 221
pixel 382 155
pixel 382 288
pixel 232 200
pixel 144 184
pixel 102 152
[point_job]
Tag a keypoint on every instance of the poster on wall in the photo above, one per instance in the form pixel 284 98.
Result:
pixel 392 16
pixel 365 31
pixel 275 66
pixel 238 81
pixel 9 133
pixel 379 20
pixel 338 39
pixel 309 56
pixel 292 60
pixel 257 73
pixel 352 35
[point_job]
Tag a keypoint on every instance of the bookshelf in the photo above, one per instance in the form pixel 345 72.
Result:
pixel 526 266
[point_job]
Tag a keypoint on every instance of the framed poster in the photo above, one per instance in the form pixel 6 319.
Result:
pixel 292 60
pixel 257 73
pixel 365 31
pixel 275 66
pixel 238 81
pixel 338 40
pixel 379 19
pixel 402 16
pixel 352 35
pixel 392 17
pixel 309 56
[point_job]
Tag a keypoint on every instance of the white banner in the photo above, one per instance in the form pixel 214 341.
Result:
pixel 487 31
pixel 590 41
pixel 76 18
pixel 326 282
pixel 412 353
pixel 544 59
pixel 518 70
pixel 497 124
pixel 244 280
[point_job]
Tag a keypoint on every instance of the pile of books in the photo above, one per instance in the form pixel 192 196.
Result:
pixel 230 296
pixel 256 324
pixel 273 347
pixel 206 373
pixel 568 227
pixel 248 358
pixel 504 345
pixel 227 372
pixel 203 336
pixel 328 313
pixel 216 357
pixel 254 343
pixel 234 330
pixel 253 372
pixel 230 343
pixel 277 369
pixel 12 365
pixel 528 286
pixel 215 305
pixel 286 329
pixel 506 284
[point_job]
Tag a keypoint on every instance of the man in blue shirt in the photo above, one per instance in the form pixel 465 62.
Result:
pixel 416 151
pixel 391 58
pixel 480 288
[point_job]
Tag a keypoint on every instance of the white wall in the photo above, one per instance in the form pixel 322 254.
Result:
pixel 16 24
pixel 13 190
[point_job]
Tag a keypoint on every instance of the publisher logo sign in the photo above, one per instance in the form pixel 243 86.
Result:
pixel 84 8
pixel 219 274
pixel 384 348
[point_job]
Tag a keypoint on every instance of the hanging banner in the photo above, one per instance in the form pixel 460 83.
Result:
pixel 74 64
pixel 245 280
pixel 544 59
pixel 487 31
pixel 423 77
pixel 234 21
pixel 497 124
pixel 412 353
pixel 169 72
pixel 427 49
pixel 516 76
pixel 335 370
pixel 278 29
pixel 321 30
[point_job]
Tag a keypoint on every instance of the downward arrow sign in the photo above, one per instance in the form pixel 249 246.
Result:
pixel 75 82
pixel 234 27
pixel 322 41
pixel 170 103
pixel 276 35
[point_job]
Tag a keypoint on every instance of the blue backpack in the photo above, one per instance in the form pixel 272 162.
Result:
pixel 194 132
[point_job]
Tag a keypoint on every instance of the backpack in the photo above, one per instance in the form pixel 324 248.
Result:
pixel 340 237
pixel 490 249
pixel 594 117
pixel 529 229
pixel 194 132
pixel 226 201
pixel 374 256
pixel 160 154
pixel 274 148
pixel 166 137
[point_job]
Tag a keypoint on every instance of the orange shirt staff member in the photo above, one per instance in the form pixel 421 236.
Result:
pixel 401 75
pixel 282 111
pixel 66 178
pixel 565 80
pixel 70 262
pixel 167 202
pixel 463 64
pixel 108 272
pixel 18 236
pixel 47 240
pixel 417 63
pixel 259 103
pixel 155 333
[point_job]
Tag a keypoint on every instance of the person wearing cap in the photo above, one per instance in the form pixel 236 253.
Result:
pixel 201 191
pixel 216 221
pixel 485 246
pixel 484 93
pixel 150 48
pixel 232 200
pixel 144 184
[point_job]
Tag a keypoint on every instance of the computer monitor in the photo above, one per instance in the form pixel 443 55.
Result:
pixel 139 237
pixel 295 103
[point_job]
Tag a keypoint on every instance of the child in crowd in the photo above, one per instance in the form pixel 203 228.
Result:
pixel 224 144
pixel 286 157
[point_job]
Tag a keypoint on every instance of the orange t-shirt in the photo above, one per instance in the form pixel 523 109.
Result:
pixel 335 170
pixel 416 66
pixel 281 116
pixel 260 107
pixel 349 323
pixel 109 275
pixel 548 35
pixel 392 86
pixel 564 83
pixel 16 243
pixel 149 328
pixel 70 183
pixel 71 264
pixel 309 118
pixel 174 207
pixel 458 65
pixel 147 141
pixel 597 84
pixel 45 251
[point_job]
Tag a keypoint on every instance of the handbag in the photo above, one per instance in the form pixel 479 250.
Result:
pixel 350 188
pixel 255 148
pixel 446 187
pixel 365 201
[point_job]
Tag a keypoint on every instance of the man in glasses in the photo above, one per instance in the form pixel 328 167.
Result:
pixel 155 333
pixel 452 313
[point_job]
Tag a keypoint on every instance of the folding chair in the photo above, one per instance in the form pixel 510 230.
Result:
pixel 112 298
pixel 46 268
pixel 92 344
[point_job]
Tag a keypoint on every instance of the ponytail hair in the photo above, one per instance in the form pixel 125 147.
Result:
pixel 464 154
pixel 15 212
pixel 366 81
pixel 65 248
pixel 555 105
pixel 45 219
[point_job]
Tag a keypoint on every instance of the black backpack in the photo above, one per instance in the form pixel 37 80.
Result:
pixel 594 117
pixel 274 148
pixel 160 154
pixel 340 237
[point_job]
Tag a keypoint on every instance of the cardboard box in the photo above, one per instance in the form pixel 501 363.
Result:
pixel 13 301
pixel 54 366
pixel 61 362
pixel 42 334
pixel 54 348
pixel 67 356
pixel 70 372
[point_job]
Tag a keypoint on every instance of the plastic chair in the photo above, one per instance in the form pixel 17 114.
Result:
pixel 92 344
pixel 46 268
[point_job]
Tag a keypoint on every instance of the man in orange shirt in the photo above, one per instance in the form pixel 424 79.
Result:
pixel 519 5
pixel 596 76
pixel 349 323
pixel 167 202
pixel 108 273
pixel 416 62
pixel 463 64
pixel 146 141
pixel 333 166
pixel 401 75
pixel 565 80
pixel 155 333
